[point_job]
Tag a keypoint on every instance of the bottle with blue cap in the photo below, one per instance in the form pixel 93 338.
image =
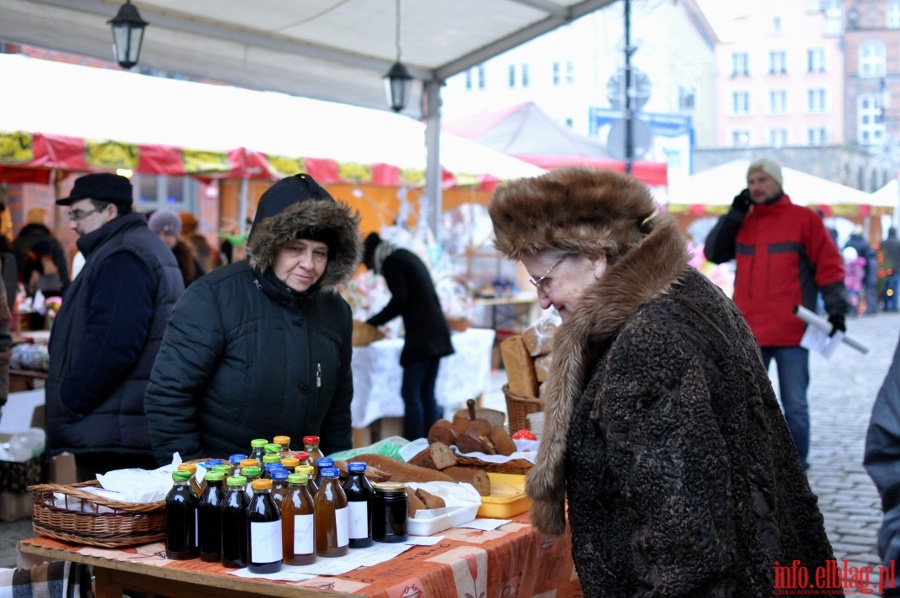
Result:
pixel 324 462
pixel 359 500
pixel 332 516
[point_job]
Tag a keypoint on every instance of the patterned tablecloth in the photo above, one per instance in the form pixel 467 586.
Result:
pixel 377 375
pixel 513 560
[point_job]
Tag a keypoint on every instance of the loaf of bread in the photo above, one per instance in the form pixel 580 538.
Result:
pixel 442 431
pixel 478 478
pixel 402 472
pixel 431 501
pixel 437 455
pixel 542 366
pixel 413 503
pixel 538 337
pixel 497 418
pixel 502 441
pixel 519 367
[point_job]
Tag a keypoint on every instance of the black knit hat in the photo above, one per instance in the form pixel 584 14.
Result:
pixel 287 192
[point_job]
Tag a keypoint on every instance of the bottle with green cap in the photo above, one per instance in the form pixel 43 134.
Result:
pixel 181 518
pixel 252 474
pixel 234 523
pixel 298 522
pixel 258 449
pixel 264 540
pixel 270 459
pixel 273 448
pixel 210 517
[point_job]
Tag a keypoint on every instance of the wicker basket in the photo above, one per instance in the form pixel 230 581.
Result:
pixel 517 407
pixel 363 334
pixel 125 524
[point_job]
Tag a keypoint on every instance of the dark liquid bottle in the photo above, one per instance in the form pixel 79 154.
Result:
pixel 332 516
pixel 264 538
pixel 257 450
pixel 181 519
pixel 211 518
pixel 389 512
pixel 359 500
pixel 298 522
pixel 234 523
pixel 311 446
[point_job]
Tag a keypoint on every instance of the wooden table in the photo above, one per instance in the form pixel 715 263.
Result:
pixel 511 561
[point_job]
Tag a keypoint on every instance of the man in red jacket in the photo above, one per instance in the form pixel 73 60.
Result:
pixel 784 258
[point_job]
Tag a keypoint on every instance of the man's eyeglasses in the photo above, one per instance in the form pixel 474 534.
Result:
pixel 539 283
pixel 76 215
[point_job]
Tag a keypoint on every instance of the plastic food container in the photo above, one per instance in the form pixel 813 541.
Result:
pixel 443 519
pixel 507 498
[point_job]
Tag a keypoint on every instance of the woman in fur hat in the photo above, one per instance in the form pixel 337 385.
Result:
pixel 663 436
pixel 262 347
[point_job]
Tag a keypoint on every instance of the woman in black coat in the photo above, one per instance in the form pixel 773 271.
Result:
pixel 427 334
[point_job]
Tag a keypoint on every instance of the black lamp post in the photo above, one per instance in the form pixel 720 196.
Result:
pixel 398 81
pixel 128 34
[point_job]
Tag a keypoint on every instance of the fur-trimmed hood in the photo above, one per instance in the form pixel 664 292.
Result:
pixel 296 208
pixel 585 210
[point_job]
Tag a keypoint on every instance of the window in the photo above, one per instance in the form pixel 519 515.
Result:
pixel 776 24
pixel 816 136
pixel 570 72
pixel 740 102
pixel 524 75
pixel 512 76
pixel 893 14
pixel 871 58
pixel 777 63
pixel 686 98
pixel 469 79
pixel 481 77
pixel 815 100
pixel 815 60
pixel 869 122
pixel 778 103
pixel 556 75
pixel 740 64
pixel 778 137
pixel 740 138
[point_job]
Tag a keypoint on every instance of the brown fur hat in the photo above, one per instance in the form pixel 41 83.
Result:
pixel 571 208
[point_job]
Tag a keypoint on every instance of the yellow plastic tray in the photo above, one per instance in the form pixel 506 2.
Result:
pixel 507 497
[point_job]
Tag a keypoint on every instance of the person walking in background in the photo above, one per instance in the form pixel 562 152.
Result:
pixel 890 249
pixel 167 225
pixel 263 346
pixel 41 273
pixel 107 333
pixel 35 230
pixel 426 331
pixel 784 257
pixel 662 433
pixel 857 241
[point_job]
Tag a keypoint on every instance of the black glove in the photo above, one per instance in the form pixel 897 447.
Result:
pixel 741 202
pixel 837 323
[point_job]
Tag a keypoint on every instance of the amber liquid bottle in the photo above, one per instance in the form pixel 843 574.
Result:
pixel 181 519
pixel 321 464
pixel 332 516
pixel 359 500
pixel 310 471
pixel 264 537
pixel 234 523
pixel 298 522
pixel 211 518
pixel 311 446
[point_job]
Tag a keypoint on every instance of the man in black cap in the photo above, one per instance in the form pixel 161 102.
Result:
pixel 108 331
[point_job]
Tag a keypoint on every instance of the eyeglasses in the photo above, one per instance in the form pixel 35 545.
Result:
pixel 539 283
pixel 76 215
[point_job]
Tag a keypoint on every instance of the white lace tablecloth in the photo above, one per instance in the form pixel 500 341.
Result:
pixel 377 375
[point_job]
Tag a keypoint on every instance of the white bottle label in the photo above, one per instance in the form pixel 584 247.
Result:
pixel 304 534
pixel 196 528
pixel 341 523
pixel 359 519
pixel 265 541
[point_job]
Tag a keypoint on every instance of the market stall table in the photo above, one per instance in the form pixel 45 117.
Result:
pixel 377 376
pixel 513 560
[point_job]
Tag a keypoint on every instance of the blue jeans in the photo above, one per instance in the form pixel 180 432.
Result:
pixel 793 382
pixel 417 390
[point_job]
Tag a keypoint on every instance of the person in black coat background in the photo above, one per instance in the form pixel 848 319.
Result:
pixel 427 334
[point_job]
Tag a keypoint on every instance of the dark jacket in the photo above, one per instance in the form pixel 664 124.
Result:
pixel 414 298
pixel 784 257
pixel 245 357
pixel 105 339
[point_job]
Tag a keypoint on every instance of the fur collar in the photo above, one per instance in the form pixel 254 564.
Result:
pixel 646 273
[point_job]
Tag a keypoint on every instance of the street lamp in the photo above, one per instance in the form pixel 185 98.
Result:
pixel 128 34
pixel 397 81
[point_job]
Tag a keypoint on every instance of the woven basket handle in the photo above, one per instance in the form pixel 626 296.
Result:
pixel 90 497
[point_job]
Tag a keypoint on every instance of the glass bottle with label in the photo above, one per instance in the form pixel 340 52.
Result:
pixel 264 538
pixel 279 484
pixel 257 450
pixel 321 464
pixel 234 523
pixel 309 470
pixel 211 517
pixel 311 446
pixel 359 501
pixel 298 522
pixel 332 516
pixel 181 518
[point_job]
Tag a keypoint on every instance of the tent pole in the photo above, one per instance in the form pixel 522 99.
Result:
pixel 433 173
pixel 242 208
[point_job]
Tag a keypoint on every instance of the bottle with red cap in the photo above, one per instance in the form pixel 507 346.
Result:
pixel 311 446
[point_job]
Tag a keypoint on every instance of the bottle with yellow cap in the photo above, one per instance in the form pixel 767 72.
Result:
pixel 311 482
pixel 284 442
pixel 196 486
pixel 298 522
pixel 264 553
pixel 290 463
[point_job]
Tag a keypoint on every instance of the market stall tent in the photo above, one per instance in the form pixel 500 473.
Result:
pixel 526 132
